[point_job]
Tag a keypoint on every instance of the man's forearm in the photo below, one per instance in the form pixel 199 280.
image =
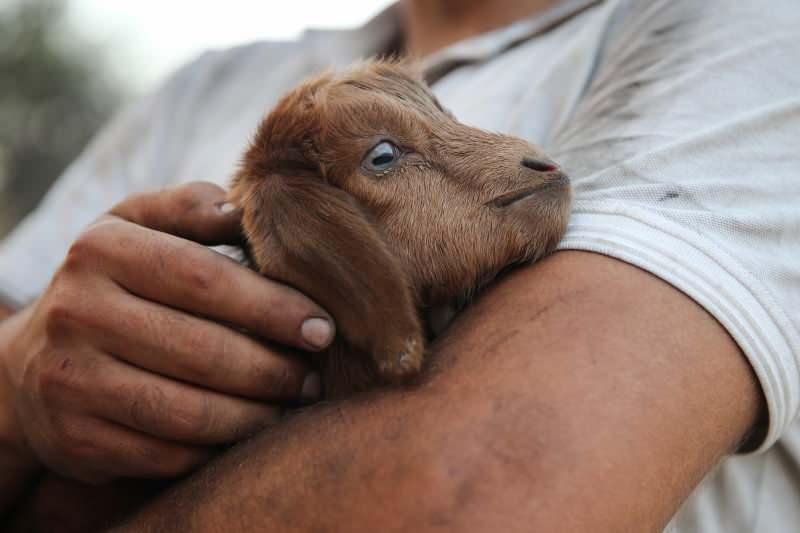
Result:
pixel 577 376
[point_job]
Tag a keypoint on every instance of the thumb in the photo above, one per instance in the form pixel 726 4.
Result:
pixel 198 211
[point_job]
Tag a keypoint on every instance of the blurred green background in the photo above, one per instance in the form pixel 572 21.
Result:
pixel 55 91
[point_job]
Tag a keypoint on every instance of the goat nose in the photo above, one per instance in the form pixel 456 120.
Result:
pixel 539 165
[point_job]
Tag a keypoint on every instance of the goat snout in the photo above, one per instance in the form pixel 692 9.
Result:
pixel 558 183
pixel 546 177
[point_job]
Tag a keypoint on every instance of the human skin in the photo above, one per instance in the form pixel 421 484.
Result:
pixel 579 395
pixel 89 373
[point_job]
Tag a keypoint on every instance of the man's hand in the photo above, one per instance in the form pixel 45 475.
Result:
pixel 134 362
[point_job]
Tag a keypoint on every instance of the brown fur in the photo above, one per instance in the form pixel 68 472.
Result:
pixel 376 249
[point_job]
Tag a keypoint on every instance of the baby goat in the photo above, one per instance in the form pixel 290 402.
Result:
pixel 361 191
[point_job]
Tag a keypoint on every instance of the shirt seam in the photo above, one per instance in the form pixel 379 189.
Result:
pixel 640 250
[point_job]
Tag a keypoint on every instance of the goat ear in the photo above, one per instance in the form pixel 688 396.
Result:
pixel 315 237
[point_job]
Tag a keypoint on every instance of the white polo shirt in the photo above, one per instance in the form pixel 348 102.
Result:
pixel 678 121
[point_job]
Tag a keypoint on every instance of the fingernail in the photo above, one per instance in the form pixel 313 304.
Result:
pixel 311 387
pixel 317 332
pixel 227 208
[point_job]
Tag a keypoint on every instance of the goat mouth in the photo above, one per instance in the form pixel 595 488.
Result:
pixel 557 183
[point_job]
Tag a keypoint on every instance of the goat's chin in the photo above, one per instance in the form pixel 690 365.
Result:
pixel 437 317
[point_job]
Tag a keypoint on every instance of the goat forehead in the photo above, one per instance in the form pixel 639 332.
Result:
pixel 367 120
pixel 404 90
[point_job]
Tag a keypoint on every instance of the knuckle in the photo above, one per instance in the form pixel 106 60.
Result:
pixel 197 280
pixel 163 329
pixel 67 309
pixel 278 379
pixel 73 442
pixel 79 255
pixel 190 349
pixel 203 274
pixel 193 418
pixel 97 239
pixel 148 407
pixel 230 361
pixel 60 316
pixel 85 249
pixel 206 368
pixel 199 271
pixel 57 378
pixel 93 244
pixel 192 267
pixel 180 415
pixel 189 198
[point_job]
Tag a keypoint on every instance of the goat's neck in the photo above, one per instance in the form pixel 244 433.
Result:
pixel 436 318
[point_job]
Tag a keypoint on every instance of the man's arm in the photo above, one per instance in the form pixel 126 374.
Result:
pixel 581 394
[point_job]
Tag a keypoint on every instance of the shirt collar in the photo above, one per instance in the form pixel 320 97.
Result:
pixel 488 45
pixel 338 48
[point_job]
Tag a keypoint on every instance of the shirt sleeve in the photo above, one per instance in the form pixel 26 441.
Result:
pixel 134 152
pixel 685 156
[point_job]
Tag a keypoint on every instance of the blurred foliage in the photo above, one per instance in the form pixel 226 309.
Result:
pixel 54 94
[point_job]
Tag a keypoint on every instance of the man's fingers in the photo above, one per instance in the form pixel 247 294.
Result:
pixel 171 410
pixel 194 350
pixel 115 451
pixel 199 281
pixel 197 211
pixel 188 276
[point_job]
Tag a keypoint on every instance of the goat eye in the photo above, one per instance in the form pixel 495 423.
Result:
pixel 382 156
